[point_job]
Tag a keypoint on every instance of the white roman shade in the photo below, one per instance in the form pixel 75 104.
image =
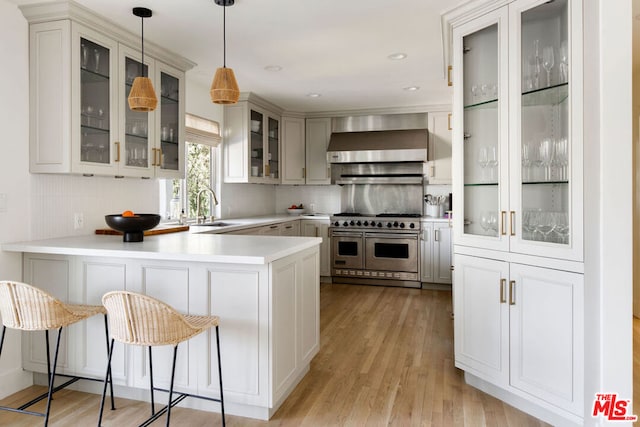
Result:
pixel 202 131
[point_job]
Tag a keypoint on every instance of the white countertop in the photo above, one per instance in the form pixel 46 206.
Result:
pixel 196 247
pixel 258 221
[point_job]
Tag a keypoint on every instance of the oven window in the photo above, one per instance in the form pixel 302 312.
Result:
pixel 391 250
pixel 348 248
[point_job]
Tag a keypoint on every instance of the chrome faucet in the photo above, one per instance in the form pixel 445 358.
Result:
pixel 200 219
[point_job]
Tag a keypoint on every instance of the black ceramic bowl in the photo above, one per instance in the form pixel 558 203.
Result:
pixel 133 227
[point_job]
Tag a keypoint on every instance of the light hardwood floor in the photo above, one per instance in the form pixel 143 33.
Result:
pixel 386 358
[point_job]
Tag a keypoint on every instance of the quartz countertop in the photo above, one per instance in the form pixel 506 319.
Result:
pixel 258 221
pixel 196 247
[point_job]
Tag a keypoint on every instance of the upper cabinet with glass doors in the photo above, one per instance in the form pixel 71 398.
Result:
pixel 252 141
pixel 80 79
pixel 517 149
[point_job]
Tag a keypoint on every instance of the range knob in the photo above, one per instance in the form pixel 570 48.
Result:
pixel 337 223
pixel 366 223
pixel 379 224
pixel 358 223
pixel 373 223
pixel 395 224
pixel 402 225
pixel 351 223
pixel 412 225
pixel 345 223
pixel 389 225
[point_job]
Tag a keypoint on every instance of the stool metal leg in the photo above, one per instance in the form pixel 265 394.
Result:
pixel 46 338
pixel 220 376
pixel 53 376
pixel 153 409
pixel 4 331
pixel 109 373
pixel 106 379
pixel 173 373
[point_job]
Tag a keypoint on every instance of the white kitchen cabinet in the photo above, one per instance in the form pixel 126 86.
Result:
pixel 291 228
pixel 318 131
pixel 293 151
pixel 439 153
pixel 518 197
pixel 517 137
pixel 251 142
pixel 435 252
pixel 521 327
pixel 80 123
pixel 319 228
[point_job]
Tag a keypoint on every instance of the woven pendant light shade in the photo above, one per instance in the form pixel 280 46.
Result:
pixel 142 96
pixel 224 88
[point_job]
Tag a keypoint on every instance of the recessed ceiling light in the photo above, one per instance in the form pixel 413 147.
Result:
pixel 411 88
pixel 396 56
pixel 273 68
pixel 314 95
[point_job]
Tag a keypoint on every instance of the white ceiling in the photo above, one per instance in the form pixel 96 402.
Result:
pixel 337 48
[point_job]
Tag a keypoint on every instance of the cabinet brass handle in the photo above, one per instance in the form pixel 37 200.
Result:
pixel 449 69
pixel 153 157
pixel 436 235
pixel 512 292
pixel 503 288
pixel 503 225
pixel 266 170
pixel 433 171
pixel 160 157
pixel 449 122
pixel 304 172
pixel 117 151
pixel 512 225
pixel 316 231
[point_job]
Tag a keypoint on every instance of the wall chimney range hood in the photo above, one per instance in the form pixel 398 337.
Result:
pixel 379 139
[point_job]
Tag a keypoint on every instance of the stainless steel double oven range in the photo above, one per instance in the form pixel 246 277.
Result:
pixel 379 162
pixel 379 250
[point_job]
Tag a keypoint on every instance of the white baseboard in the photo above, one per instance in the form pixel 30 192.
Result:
pixel 14 381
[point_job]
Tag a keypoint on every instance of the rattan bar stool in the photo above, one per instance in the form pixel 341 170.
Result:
pixel 145 321
pixel 27 308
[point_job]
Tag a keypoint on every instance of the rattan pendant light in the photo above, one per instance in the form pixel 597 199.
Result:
pixel 224 88
pixel 142 96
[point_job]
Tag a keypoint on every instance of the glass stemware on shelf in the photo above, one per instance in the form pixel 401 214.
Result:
pixel 564 59
pixel 483 161
pixel 548 62
pixel 489 222
pixel 546 156
pixel 545 160
pixel 545 226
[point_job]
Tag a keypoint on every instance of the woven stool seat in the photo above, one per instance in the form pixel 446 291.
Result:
pixel 27 308
pixel 142 320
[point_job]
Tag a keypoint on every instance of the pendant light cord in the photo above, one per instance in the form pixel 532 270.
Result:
pixel 224 36
pixel 142 63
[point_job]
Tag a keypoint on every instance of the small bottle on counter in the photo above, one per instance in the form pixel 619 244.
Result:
pixel 183 218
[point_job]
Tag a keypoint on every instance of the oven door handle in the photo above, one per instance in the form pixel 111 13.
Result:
pixel 392 236
pixel 346 234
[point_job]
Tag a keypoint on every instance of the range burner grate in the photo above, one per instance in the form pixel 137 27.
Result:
pixel 399 215
pixel 348 214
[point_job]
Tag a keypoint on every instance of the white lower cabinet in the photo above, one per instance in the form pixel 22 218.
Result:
pixel 520 328
pixel 435 252
pixel 319 228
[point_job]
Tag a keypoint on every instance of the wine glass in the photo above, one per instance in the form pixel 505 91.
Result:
pixel 546 156
pixel 526 162
pixel 492 161
pixel 564 59
pixel 561 157
pixel 483 160
pixel 484 221
pixel 493 223
pixel 96 54
pixel 474 93
pixel 545 224
pixel 547 62
pixel 562 226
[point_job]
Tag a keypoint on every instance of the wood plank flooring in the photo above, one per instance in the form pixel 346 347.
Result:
pixel 386 358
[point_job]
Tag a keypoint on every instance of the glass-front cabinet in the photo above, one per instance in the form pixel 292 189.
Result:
pixel 252 143
pixel 517 146
pixel 81 123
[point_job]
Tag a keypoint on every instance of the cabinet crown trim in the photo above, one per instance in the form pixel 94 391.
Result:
pixel 68 9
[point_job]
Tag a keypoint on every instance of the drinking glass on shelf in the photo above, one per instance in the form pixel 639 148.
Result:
pixel 534 65
pixel 561 157
pixel 493 223
pixel 85 55
pixel 526 162
pixel 492 162
pixel 546 156
pixel 474 93
pixel 545 224
pixel 547 62
pixel 484 221
pixel 564 62
pixel 96 54
pixel 561 220
pixel 485 91
pixel 483 160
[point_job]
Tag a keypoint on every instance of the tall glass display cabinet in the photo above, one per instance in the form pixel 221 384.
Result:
pixel 518 204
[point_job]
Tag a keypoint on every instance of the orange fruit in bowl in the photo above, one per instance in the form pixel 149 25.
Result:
pixel 128 214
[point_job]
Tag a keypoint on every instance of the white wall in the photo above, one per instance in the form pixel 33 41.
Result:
pixel 14 176
pixel 325 198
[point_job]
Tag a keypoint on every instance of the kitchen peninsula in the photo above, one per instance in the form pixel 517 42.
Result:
pixel 264 289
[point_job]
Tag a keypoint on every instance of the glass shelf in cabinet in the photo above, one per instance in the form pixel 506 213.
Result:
pixel 92 130
pixel 490 103
pixel 545 182
pixel 481 184
pixel 88 76
pixel 144 137
pixel 552 95
pixel 168 100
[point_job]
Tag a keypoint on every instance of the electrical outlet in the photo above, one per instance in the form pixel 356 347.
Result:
pixel 78 221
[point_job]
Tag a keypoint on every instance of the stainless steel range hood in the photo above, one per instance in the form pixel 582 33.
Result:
pixel 379 138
